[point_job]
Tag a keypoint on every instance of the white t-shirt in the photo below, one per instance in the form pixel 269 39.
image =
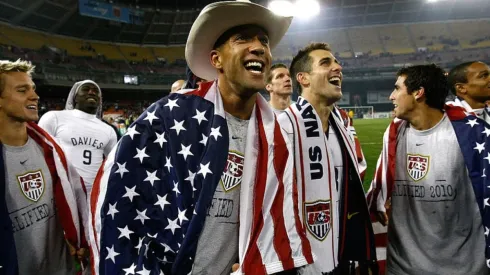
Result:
pixel 435 224
pixel 84 138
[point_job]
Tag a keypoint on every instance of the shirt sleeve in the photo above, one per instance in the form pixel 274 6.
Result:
pixel 49 123
pixel 112 143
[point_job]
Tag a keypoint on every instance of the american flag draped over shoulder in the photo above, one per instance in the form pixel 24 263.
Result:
pixel 69 195
pixel 150 197
pixel 472 134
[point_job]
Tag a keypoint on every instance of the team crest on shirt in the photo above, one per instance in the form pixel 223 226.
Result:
pixel 232 176
pixel 32 185
pixel 318 217
pixel 417 166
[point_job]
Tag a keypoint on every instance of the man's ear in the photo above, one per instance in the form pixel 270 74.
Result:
pixel 419 93
pixel 215 57
pixel 303 79
pixel 268 87
pixel 460 88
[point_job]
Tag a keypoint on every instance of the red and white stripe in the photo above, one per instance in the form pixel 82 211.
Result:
pixel 272 238
pixel 381 188
pixel 69 191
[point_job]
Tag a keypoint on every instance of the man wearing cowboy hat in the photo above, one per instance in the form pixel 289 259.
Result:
pixel 211 183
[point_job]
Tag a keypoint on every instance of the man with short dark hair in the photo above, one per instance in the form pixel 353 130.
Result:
pixel 202 180
pixel 429 182
pixel 335 211
pixel 279 87
pixel 470 83
pixel 43 206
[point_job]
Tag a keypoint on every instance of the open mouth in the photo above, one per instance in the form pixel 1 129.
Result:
pixel 255 67
pixel 92 99
pixel 335 81
pixel 32 107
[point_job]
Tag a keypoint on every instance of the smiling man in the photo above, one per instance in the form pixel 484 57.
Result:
pixel 334 208
pixel 279 87
pixel 470 82
pixel 80 131
pixel 430 181
pixel 203 179
pixel 42 199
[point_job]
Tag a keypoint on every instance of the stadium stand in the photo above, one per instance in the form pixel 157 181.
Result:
pixel 337 38
pixel 472 34
pixel 366 50
pixel 433 36
pixel 396 39
pixel 365 40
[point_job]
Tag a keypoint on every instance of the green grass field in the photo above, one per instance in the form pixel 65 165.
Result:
pixel 370 134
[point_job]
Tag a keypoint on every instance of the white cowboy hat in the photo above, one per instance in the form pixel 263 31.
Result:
pixel 217 18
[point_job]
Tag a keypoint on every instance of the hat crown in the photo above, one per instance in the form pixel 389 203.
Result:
pixel 218 17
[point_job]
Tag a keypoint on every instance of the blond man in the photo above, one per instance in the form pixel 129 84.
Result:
pixel 42 199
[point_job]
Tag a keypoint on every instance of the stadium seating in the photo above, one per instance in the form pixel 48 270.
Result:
pixel 23 38
pixel 396 39
pixel 472 34
pixel 108 50
pixel 134 53
pixel 72 46
pixel 171 54
pixel 433 36
pixel 365 40
pixel 382 47
pixel 338 40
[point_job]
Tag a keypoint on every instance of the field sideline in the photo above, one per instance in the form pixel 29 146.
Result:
pixel 370 134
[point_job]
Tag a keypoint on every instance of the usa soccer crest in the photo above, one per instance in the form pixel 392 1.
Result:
pixel 32 185
pixel 232 176
pixel 417 166
pixel 318 217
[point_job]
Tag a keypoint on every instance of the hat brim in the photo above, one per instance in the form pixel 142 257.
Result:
pixel 215 19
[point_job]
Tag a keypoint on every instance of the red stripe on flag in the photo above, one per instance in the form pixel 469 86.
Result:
pixel 253 264
pixel 381 240
pixel 455 112
pixel 281 241
pixel 63 208
pixel 203 89
pixel 94 197
pixel 300 144
pixel 61 154
pixel 358 149
pixel 390 173
pixel 305 243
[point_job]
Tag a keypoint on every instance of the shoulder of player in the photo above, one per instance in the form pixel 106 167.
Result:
pixel 50 115
pixel 285 121
pixel 59 113
pixel 103 125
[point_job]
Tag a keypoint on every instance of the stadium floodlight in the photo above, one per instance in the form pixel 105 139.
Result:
pixel 301 8
pixel 307 8
pixel 282 7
